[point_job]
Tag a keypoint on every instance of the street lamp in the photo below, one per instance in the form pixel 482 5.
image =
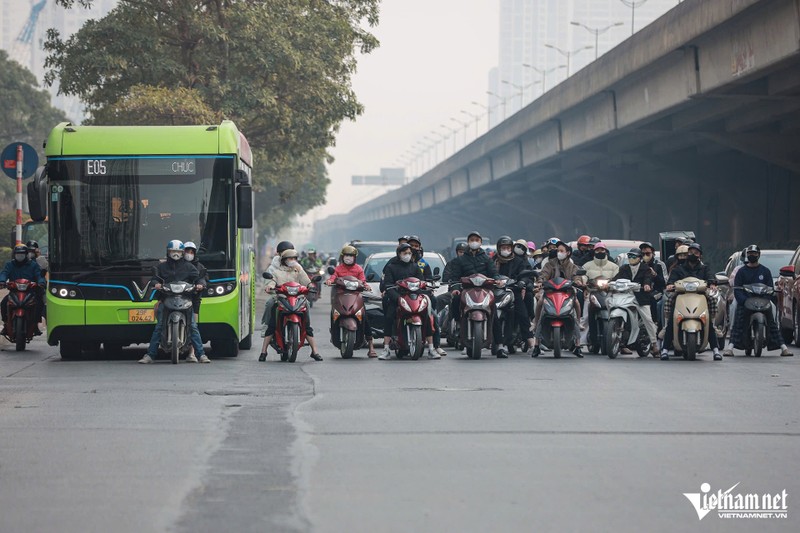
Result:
pixel 444 143
pixel 464 124
pixel 485 108
pixel 567 53
pixel 434 150
pixel 503 100
pixel 633 4
pixel 597 33
pixel 544 73
pixel 476 117
pixel 520 88
pixel 454 132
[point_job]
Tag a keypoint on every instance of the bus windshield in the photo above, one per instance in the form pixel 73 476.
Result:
pixel 124 210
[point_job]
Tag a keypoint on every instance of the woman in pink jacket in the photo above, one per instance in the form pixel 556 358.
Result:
pixel 348 267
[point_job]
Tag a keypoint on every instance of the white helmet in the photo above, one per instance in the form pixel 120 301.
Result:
pixel 190 244
pixel 175 249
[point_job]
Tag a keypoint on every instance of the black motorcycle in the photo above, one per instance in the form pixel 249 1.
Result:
pixel 177 316
pixel 757 306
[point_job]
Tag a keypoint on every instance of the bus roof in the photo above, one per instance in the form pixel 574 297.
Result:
pixel 225 138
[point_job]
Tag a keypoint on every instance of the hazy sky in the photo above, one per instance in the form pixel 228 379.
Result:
pixel 433 60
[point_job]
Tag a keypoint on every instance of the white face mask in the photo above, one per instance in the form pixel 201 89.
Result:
pixel 505 253
pixel 175 256
pixel 348 260
pixel 19 257
pixel 538 260
pixel 188 256
pixel 520 252
pixel 561 256
pixel 31 255
pixel 291 263
pixel 405 258
pixel 474 245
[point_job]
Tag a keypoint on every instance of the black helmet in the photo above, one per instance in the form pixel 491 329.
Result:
pixel 283 246
pixel 31 244
pixel 402 248
pixel 696 246
pixel 635 252
pixel 474 234
pixel 461 246
pixel 646 244
pixel 594 240
pixel 20 249
pixel 402 238
pixel 414 238
pixel 504 240
pixel 752 248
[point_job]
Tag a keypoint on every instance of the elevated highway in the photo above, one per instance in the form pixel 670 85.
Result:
pixel 692 123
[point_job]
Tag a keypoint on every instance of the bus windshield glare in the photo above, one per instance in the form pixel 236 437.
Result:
pixel 117 209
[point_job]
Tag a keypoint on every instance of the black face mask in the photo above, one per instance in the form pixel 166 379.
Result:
pixel 600 256
pixel 693 259
pixel 552 254
pixel 752 259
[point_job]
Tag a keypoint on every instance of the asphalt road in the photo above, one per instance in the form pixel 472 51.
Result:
pixel 105 444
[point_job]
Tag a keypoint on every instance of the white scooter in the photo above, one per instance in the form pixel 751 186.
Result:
pixel 625 326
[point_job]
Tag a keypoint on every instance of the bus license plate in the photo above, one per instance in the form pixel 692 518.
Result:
pixel 141 315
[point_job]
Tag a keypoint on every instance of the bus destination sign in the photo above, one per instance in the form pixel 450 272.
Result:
pixel 141 167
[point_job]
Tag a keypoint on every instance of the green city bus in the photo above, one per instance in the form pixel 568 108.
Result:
pixel 113 197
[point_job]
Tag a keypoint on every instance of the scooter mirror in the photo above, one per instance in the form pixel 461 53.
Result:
pixel 266 275
pixel 331 270
pixel 371 276
pixel 316 279
pixel 436 278
pixel 436 271
pixel 580 272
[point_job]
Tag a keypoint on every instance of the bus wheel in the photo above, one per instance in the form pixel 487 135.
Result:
pixel 69 350
pixel 225 347
pixel 246 343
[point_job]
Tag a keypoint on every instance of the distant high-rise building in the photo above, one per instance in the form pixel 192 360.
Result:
pixel 527 26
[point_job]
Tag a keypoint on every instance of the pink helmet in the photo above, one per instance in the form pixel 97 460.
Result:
pixel 532 246
pixel 602 245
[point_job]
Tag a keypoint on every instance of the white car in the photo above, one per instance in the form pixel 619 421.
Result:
pixel 375 263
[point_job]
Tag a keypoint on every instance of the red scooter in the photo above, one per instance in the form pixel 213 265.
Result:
pixel 477 313
pixel 412 309
pixel 558 317
pixel 290 327
pixel 347 324
pixel 21 317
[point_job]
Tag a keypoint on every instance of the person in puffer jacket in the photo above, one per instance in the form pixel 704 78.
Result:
pixel 600 266
pixel 348 267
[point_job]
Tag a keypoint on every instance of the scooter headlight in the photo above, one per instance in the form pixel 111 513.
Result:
pixel 414 286
pixel 351 285
pixel 691 286
pixel 22 286
pixel 477 281
pixel 292 291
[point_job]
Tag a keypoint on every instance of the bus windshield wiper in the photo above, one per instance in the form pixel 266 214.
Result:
pixel 119 263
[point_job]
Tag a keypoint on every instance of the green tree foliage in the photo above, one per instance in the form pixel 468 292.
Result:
pixel 281 69
pixel 27 116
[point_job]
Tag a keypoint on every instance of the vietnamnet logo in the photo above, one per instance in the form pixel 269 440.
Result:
pixel 730 505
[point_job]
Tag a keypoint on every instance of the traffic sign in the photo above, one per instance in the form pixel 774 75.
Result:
pixel 8 160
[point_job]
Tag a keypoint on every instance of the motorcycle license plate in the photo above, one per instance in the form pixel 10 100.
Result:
pixel 141 315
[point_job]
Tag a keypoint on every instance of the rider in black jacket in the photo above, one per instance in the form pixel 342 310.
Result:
pixel 511 264
pixel 474 261
pixel 399 268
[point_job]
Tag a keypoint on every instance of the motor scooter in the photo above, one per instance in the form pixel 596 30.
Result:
pixel 292 309
pixel 690 320
pixel 347 315
pixel 177 316
pixel 758 306
pixel 21 317
pixel 412 310
pixel 625 326
pixel 558 324
pixel 477 313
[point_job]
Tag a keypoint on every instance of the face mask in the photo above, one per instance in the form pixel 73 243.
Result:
pixel 175 256
pixel 552 253
pixel 693 259
pixel 519 251
pixel 505 253
pixel 538 260
pixel 752 259
pixel 405 258
pixel 561 255
pixel 474 245
pixel 19 257
pixel 633 261
pixel 291 263
pixel 600 256
pixel 31 256
pixel 349 260
pixel 188 256
pixel 648 257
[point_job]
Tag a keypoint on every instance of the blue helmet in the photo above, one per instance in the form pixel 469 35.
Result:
pixel 174 244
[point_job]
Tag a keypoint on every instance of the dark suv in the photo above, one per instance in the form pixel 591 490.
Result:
pixel 367 248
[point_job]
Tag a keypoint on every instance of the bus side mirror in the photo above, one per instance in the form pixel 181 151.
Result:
pixel 37 196
pixel 244 206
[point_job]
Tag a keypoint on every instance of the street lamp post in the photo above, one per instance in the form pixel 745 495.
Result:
pixel 633 4
pixel 485 108
pixel 503 100
pixel 476 117
pixel 454 132
pixel 597 33
pixel 520 88
pixel 567 53
pixel 464 124
pixel 444 143
pixel 544 73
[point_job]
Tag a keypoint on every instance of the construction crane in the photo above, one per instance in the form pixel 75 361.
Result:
pixel 22 50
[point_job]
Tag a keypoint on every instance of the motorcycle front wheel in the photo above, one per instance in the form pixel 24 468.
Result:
pixel 612 336
pixel 414 340
pixel 348 341
pixel 19 333
pixel 477 339
pixel 293 340
pixel 557 342
pixel 691 345
pixel 758 339
pixel 175 353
